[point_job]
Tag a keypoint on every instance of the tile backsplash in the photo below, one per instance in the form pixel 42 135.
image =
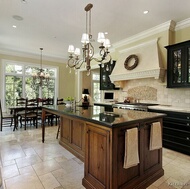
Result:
pixel 152 91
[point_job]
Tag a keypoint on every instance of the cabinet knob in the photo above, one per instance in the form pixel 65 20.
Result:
pixel 187 138
pixel 187 124
pixel 188 117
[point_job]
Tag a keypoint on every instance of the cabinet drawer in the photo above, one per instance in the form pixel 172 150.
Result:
pixel 184 126
pixel 175 116
pixel 176 136
pixel 178 117
pixel 177 147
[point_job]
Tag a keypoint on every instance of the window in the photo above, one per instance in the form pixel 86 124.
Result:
pixel 96 93
pixel 19 83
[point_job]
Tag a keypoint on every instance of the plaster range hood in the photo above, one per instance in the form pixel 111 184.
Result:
pixel 149 63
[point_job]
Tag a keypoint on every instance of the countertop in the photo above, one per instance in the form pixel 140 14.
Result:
pixel 169 108
pixel 156 107
pixel 98 115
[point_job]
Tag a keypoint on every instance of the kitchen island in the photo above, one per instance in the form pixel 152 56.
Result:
pixel 98 138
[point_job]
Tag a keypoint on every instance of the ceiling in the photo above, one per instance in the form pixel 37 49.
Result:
pixel 54 24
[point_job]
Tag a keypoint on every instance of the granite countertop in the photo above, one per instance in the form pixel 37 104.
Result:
pixel 169 108
pixel 98 115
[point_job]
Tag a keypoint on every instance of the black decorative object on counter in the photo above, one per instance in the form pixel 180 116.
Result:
pixel 105 71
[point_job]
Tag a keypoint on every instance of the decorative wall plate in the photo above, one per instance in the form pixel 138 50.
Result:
pixel 128 59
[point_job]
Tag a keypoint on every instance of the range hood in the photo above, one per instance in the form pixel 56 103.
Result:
pixel 149 63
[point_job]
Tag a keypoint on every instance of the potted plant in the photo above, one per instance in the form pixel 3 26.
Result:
pixel 69 100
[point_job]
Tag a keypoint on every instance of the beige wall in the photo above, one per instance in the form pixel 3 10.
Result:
pixel 182 35
pixel 66 80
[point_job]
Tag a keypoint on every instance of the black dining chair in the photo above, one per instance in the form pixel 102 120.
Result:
pixel 60 101
pixel 20 102
pixel 6 119
pixel 49 117
pixel 31 113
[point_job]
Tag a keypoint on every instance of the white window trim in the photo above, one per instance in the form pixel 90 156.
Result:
pixel 5 61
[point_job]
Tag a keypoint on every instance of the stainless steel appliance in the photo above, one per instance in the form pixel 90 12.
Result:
pixel 133 106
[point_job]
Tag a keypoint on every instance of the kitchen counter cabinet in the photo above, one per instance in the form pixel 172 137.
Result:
pixel 104 158
pixel 176 130
pixel 178 65
pixel 72 136
pixel 101 143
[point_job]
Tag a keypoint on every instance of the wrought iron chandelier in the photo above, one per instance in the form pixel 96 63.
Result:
pixel 87 48
pixel 41 76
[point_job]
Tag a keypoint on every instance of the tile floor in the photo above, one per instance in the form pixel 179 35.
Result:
pixel 27 163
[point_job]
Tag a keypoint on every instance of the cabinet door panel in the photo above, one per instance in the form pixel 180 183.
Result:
pixel 151 158
pixel 97 157
pixel 188 65
pixel 77 134
pixel 65 131
pixel 178 65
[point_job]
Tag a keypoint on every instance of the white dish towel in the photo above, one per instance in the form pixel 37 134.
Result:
pixel 131 157
pixel 155 136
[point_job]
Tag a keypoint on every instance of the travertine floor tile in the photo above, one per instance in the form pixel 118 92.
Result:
pixel 28 160
pixel 49 181
pixel 27 163
pixel 24 182
pixel 27 170
pixel 46 167
pixel 9 171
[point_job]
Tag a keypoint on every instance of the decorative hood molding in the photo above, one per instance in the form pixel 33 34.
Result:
pixel 149 63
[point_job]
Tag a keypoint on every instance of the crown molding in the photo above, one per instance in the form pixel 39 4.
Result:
pixel 169 25
pixel 182 24
pixel 32 56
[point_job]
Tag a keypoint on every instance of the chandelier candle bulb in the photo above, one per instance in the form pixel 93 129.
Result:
pixel 77 52
pixel 85 38
pixel 101 37
pixel 107 43
pixel 71 49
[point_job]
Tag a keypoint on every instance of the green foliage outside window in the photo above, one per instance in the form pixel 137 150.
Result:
pixel 21 84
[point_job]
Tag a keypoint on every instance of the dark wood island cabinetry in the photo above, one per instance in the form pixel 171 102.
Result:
pixel 101 145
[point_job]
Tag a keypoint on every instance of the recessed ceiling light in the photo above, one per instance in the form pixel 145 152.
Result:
pixel 14 26
pixel 17 17
pixel 23 1
pixel 146 12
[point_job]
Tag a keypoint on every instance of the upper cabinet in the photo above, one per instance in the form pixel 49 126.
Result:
pixel 178 65
pixel 105 71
